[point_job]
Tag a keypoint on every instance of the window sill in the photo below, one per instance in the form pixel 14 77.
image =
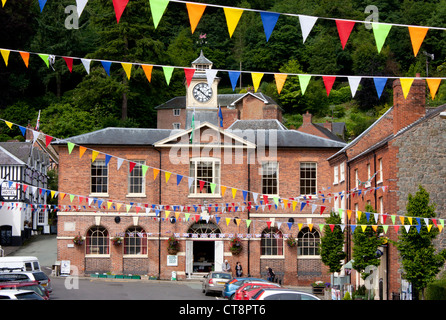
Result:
pixel 272 257
pixel 136 195
pixel 139 256
pixel 308 257
pixel 98 195
pixel 97 256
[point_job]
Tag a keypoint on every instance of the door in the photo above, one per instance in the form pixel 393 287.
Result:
pixel 218 256
pixel 5 235
pixel 189 257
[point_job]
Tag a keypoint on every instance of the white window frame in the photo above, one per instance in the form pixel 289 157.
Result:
pixel 369 175
pixel 335 175
pixel 194 191
pixel 342 172
pixel 176 125
pixel 265 163
pixel 356 178
pixel 176 112
pixel 272 244
pixel 306 241
pixel 137 168
pixel 301 178
pixel 98 194
pixel 380 175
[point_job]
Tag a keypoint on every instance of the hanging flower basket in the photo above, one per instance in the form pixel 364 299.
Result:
pixel 117 241
pixel 78 240
pixel 236 246
pixel 173 245
pixel 291 242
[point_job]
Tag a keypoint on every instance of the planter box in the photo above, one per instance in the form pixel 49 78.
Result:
pixel 318 290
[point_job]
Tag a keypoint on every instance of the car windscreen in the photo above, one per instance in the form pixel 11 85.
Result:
pixel 13 277
pixel 28 296
pixel 40 276
pixel 221 276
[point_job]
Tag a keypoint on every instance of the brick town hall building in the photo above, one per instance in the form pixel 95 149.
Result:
pixel 251 179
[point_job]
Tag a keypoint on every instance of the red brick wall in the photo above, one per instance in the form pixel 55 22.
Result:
pixel 166 118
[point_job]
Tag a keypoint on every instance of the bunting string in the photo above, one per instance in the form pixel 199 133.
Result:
pixel 280 78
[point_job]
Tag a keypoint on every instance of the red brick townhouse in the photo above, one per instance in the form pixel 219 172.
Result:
pixel 403 149
pixel 204 186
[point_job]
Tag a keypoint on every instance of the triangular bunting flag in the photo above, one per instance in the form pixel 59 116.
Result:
pixel 81 151
pixel 25 57
pixel 406 83
pixel 9 124
pixel 380 31
pixel 344 30
pixel 189 73
pixel 234 191
pixel 256 78
pixel 94 155
pixel 155 173
pixel 80 5
pixel 119 164
pixel 210 76
pixel 131 165
pixel 233 76
pixel 69 62
pixel 119 6
pixel 48 140
pixel 157 7
pixel 106 65
pixel 304 79
pixel 195 12
pixel 127 68
pixel 3 3
pixel 147 71
pixel 280 81
pixel 179 177
pixel 328 82
pixel 232 18
pixel 45 59
pixel 306 25
pixel 433 85
pixel 167 175
pixel 269 20
pixel 379 85
pixel 167 73
pixel 5 55
pixel 354 84
pixel 417 35
pixel 86 63
pixel 42 4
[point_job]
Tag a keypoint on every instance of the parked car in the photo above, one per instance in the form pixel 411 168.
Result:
pixel 13 294
pixel 26 285
pixel 240 293
pixel 38 276
pixel 19 263
pixel 214 281
pixel 234 284
pixel 283 294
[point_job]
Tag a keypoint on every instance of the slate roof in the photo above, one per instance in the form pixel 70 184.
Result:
pixel 131 136
pixel 266 124
pixel 18 153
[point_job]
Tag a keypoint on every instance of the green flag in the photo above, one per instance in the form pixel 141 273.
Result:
pixel 192 126
pixel 304 79
pixel 157 7
pixel 380 31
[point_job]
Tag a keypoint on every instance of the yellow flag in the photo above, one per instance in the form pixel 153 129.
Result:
pixel 417 35
pixel 299 225
pixel 195 12
pixel 280 81
pixel 168 176
pixel 127 68
pixel 5 55
pixel 429 227
pixel 94 155
pixel 256 78
pixel 109 203
pixel 433 86
pixel 167 214
pixel 232 18
pixel 440 227
pixel 359 215
pixel 294 204
pixel 52 193
pixel 81 151
pixel 363 227
pixel 310 225
pixel 177 215
pixel 227 221
pixel 234 191
pixel 9 124
pixel 410 220
pixel 3 3
pixel 406 83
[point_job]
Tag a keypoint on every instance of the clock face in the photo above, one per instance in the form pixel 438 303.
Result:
pixel 202 92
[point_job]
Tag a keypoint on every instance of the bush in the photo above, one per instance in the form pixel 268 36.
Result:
pixel 436 290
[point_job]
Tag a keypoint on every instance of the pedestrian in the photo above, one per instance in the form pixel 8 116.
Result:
pixel 226 267
pixel 270 274
pixel 238 269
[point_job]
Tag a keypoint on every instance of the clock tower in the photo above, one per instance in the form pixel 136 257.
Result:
pixel 200 97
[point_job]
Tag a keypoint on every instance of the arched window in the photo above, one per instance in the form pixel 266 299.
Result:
pixel 97 241
pixel 135 241
pixel 308 242
pixel 272 242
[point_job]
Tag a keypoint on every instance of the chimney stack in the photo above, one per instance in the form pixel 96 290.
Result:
pixel 307 119
pixel 410 109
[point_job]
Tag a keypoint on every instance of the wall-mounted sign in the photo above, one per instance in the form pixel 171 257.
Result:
pixel 172 261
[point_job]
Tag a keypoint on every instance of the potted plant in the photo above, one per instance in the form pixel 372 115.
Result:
pixel 173 245
pixel 319 286
pixel 78 240
pixel 236 246
pixel 291 242
pixel 117 240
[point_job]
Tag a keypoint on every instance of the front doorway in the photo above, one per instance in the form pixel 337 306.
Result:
pixel 204 251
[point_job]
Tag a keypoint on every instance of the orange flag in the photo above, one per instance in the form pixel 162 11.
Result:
pixel 155 173
pixel 433 86
pixel 280 81
pixel 81 151
pixel 148 71
pixel 25 57
pixel 195 12
pixel 417 35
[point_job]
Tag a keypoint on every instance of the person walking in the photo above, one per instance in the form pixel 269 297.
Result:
pixel 238 269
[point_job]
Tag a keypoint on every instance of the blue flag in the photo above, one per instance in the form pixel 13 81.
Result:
pixel 220 116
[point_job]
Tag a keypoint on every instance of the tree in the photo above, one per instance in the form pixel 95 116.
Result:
pixel 332 243
pixel 420 262
pixel 366 241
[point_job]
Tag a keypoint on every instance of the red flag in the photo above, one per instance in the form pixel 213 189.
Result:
pixel 331 227
pixel 48 140
pixel 201 185
pixel 132 165
pixel 344 30
pixel 322 209
pixel 328 82
pixel 189 73
pixel 119 6
pixel 268 223
pixel 69 62
pixel 265 198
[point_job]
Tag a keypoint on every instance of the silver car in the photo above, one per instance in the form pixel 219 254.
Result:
pixel 215 281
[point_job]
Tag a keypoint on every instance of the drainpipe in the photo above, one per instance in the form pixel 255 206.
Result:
pixel 249 199
pixel 159 221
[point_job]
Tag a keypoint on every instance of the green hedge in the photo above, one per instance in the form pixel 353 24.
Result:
pixel 436 290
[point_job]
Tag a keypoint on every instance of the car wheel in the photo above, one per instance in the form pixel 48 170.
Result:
pixel 232 296
pixel 206 293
